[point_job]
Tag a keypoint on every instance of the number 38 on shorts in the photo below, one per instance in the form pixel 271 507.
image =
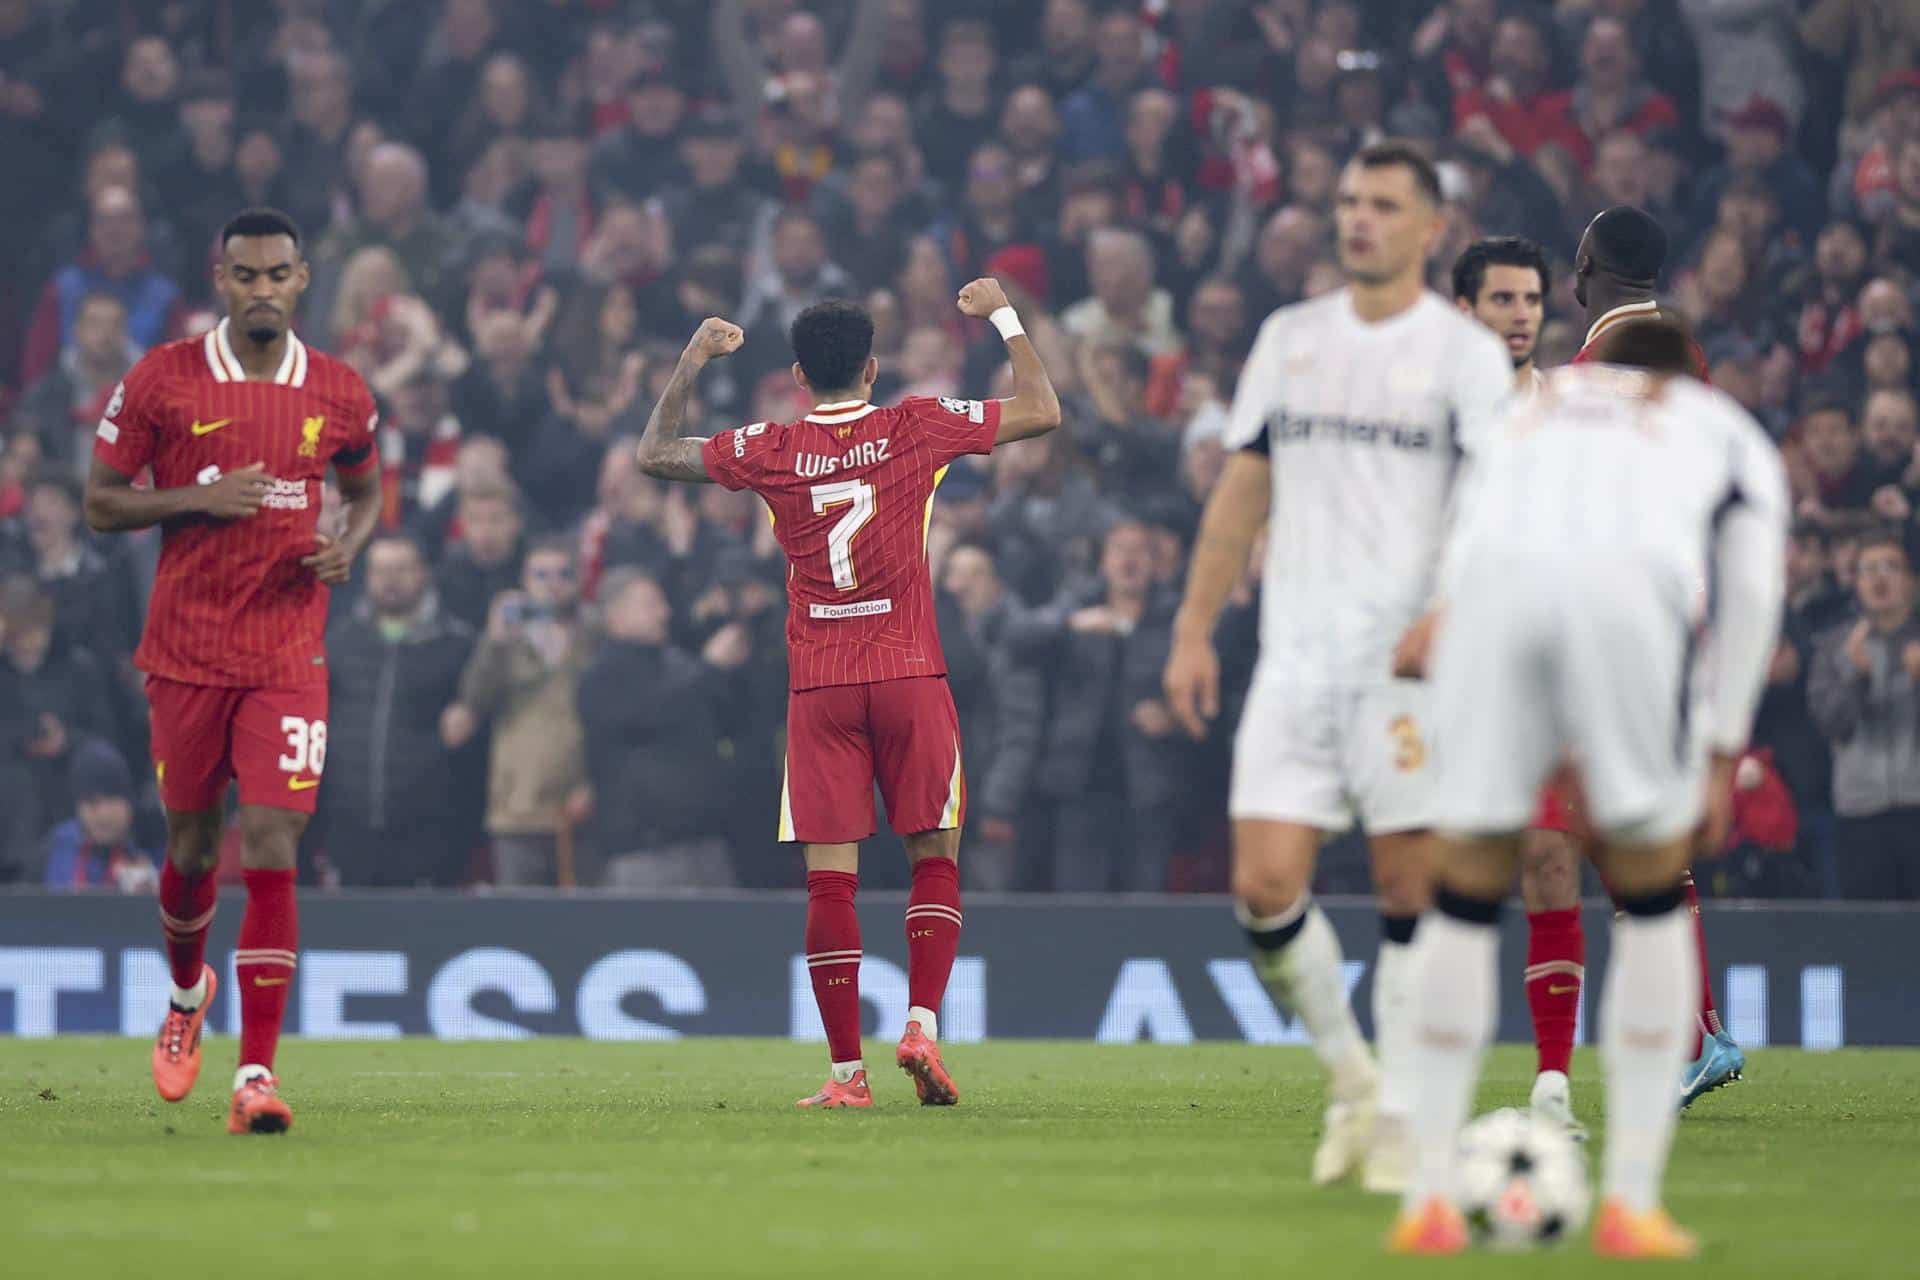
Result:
pixel 273 742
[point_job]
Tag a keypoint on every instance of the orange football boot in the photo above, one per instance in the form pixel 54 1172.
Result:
pixel 1433 1230
pixel 1619 1232
pixel 919 1057
pixel 176 1053
pixel 259 1108
pixel 854 1093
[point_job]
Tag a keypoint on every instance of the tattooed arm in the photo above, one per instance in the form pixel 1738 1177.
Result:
pixel 664 453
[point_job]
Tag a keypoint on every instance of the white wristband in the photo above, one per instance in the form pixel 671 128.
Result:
pixel 1007 321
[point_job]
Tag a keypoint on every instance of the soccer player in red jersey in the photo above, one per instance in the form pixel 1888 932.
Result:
pixel 851 489
pixel 1615 271
pixel 238 429
pixel 1503 282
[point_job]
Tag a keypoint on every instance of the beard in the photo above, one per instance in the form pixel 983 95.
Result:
pixel 262 335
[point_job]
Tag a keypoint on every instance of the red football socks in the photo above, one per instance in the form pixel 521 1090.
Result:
pixel 833 959
pixel 1709 1012
pixel 933 930
pixel 186 913
pixel 263 962
pixel 1556 968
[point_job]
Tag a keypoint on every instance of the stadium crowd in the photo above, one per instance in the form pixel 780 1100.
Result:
pixel 552 668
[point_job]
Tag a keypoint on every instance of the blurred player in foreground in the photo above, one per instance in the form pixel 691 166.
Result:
pixel 1503 283
pixel 851 489
pixel 1573 625
pixel 238 428
pixel 1616 268
pixel 1346 427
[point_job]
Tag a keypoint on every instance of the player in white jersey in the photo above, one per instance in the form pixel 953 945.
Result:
pixel 1503 282
pixel 1347 427
pixel 1610 524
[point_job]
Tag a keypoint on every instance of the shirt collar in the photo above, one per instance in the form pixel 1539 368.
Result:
pixel 1648 308
pixel 226 366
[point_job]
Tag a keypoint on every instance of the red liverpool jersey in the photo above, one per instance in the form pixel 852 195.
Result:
pixel 851 490
pixel 1626 315
pixel 232 604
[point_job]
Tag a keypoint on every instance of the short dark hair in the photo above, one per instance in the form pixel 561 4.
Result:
pixel 832 341
pixel 1391 153
pixel 1658 346
pixel 1882 535
pixel 260 222
pixel 402 538
pixel 1629 243
pixel 1470 272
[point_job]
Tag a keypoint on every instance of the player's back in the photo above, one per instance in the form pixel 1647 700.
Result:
pixel 1611 466
pixel 851 489
pixel 1363 424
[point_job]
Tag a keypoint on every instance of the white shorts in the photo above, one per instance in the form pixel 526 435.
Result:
pixel 1322 755
pixel 1540 662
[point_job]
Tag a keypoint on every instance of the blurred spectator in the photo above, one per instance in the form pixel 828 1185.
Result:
pixel 1829 322
pixel 561 220
pixel 1759 139
pixel 1518 102
pixel 968 577
pixel 1065 58
pixel 1843 478
pixel 1744 45
pixel 1611 94
pixel 1095 115
pixel 1126 308
pixel 962 112
pixel 62 702
pixel 93 595
pixel 1100 748
pixel 485 562
pixel 395 214
pixel 797 274
pixel 1865 694
pixel 637 159
pixel 96 849
pixel 115 262
pixel 714 207
pixel 1870 38
pixel 67 403
pixel 321 101
pixel 522 685
pixel 657 743
pixel 402 796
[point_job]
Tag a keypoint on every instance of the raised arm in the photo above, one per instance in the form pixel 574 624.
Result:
pixel 1034 409
pixel 113 504
pixel 664 453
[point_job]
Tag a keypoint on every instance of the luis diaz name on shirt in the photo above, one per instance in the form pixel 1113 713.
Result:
pixel 810 465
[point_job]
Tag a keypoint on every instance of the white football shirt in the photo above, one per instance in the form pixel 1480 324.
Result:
pixel 1667 476
pixel 1364 425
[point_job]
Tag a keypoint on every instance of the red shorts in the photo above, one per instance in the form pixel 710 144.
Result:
pixel 204 736
pixel 903 734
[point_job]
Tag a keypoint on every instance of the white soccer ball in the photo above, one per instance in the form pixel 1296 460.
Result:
pixel 1523 1181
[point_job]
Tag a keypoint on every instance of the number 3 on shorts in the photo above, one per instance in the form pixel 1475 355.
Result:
pixel 306 745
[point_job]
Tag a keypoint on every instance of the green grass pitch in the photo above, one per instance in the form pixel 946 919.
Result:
pixel 564 1158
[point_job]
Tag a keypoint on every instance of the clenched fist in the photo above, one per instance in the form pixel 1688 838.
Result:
pixel 982 297
pixel 715 338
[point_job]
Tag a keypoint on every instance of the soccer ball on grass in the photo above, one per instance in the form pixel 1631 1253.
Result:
pixel 1523 1181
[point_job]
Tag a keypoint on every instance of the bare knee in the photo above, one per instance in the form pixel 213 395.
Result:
pixel 193 842
pixel 270 838
pixel 1403 874
pixel 1272 865
pixel 933 844
pixel 1549 871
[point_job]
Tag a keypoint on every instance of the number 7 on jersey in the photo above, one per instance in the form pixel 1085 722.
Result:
pixel 857 497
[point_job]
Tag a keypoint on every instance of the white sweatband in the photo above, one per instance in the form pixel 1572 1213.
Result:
pixel 1007 321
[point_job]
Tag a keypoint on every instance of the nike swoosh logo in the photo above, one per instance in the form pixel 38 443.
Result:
pixel 302 784
pixel 203 428
pixel 1561 991
pixel 269 982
